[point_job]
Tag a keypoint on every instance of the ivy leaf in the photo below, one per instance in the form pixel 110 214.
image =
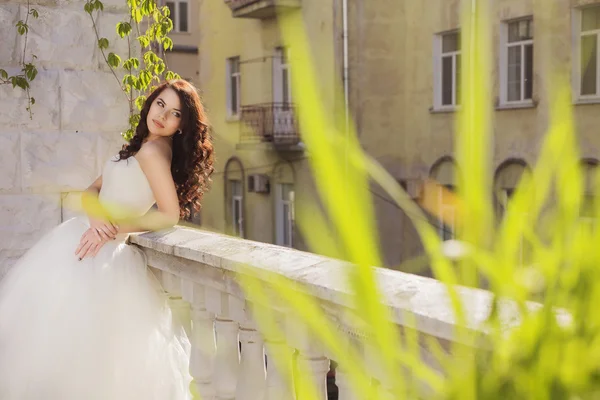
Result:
pixel 3 74
pixel 32 100
pixel 131 63
pixel 30 71
pixel 88 8
pixel 123 29
pixel 137 15
pixel 20 81
pixel 34 12
pixel 159 68
pixel 148 58
pixel 103 43
pixel 139 102
pixel 22 27
pixel 128 134
pixel 167 43
pixel 169 75
pixel 145 78
pixel 98 5
pixel 114 60
pixel 144 41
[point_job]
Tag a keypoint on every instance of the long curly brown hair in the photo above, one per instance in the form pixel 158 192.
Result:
pixel 193 155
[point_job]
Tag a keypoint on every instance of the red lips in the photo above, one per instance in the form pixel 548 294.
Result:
pixel 158 124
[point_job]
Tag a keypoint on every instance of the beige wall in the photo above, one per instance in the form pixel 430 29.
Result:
pixel 186 64
pixel 392 92
pixel 222 36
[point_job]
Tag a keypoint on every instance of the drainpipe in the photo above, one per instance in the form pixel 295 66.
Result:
pixel 346 78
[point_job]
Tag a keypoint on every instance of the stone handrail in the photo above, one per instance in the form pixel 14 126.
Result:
pixel 200 270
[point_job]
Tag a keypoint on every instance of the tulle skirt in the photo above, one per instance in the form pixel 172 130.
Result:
pixel 97 329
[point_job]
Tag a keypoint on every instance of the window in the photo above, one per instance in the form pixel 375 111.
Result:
pixel 237 213
pixel 233 86
pixel 447 70
pixel 587 22
pixel 517 62
pixel 282 91
pixel 179 15
pixel 284 217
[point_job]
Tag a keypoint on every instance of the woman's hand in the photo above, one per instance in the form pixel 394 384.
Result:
pixel 90 244
pixel 102 229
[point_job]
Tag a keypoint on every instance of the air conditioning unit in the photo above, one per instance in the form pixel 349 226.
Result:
pixel 258 183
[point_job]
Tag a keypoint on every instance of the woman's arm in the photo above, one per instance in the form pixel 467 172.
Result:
pixel 89 200
pixel 155 160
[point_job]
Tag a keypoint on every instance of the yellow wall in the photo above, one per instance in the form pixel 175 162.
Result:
pixel 221 37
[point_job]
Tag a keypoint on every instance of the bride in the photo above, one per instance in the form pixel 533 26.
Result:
pixel 81 318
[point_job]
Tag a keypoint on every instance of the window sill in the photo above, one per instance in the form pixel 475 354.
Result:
pixel 516 106
pixel 581 102
pixel 443 110
pixel 232 118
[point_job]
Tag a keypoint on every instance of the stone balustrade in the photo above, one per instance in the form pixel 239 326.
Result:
pixel 201 270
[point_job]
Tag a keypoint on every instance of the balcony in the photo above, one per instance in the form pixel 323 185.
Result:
pixel 271 123
pixel 260 9
pixel 201 271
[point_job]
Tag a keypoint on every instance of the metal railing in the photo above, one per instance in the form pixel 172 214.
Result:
pixel 270 122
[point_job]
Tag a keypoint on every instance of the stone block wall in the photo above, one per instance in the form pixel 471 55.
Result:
pixel 77 119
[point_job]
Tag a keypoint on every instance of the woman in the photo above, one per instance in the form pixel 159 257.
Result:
pixel 80 315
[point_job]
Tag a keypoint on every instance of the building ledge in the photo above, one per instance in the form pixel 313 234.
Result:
pixel 261 9
pixel 179 48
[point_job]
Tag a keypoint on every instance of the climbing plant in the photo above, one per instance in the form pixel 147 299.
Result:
pixel 28 70
pixel 146 31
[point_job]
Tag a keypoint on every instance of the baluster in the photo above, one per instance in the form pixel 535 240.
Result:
pixel 318 368
pixel 312 364
pixel 344 388
pixel 251 382
pixel 277 384
pixel 203 342
pixel 227 359
pixel 180 308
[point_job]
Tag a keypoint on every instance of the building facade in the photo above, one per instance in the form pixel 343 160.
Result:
pixel 402 73
pixel 262 174
pixel 183 57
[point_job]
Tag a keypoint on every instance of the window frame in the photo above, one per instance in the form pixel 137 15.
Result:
pixel 503 68
pixel 237 201
pixel 438 56
pixel 176 20
pixel 280 204
pixel 577 35
pixel 230 76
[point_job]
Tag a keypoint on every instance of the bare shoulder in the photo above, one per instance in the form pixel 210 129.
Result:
pixel 154 152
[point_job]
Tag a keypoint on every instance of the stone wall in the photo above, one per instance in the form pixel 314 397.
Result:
pixel 77 119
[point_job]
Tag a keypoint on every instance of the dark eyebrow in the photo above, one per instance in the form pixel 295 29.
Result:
pixel 160 98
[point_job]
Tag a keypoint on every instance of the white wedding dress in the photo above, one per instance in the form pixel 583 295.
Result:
pixel 96 329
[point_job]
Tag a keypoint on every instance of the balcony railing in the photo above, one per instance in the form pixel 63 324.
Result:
pixel 260 9
pixel 201 272
pixel 270 122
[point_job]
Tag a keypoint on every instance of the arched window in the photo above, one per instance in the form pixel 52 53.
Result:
pixel 506 180
pixel 284 178
pixel 444 173
pixel 234 184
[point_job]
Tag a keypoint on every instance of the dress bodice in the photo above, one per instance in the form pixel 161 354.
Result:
pixel 125 188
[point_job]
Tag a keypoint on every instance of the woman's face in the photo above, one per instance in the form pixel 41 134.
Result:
pixel 164 116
